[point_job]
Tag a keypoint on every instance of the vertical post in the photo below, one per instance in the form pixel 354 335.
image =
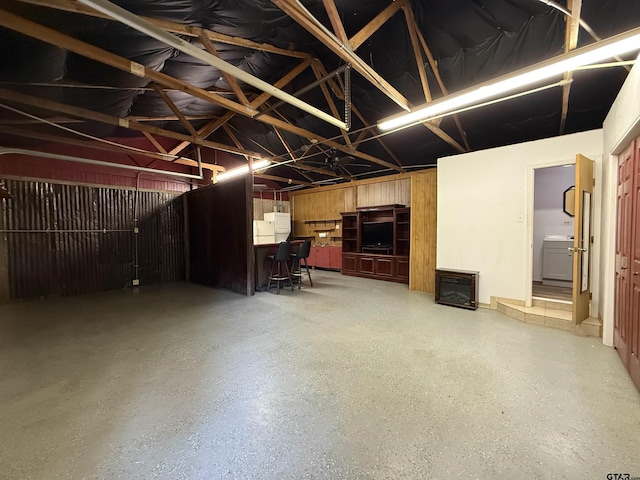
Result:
pixel 187 244
pixel 4 257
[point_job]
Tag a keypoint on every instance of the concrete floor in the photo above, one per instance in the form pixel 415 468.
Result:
pixel 352 378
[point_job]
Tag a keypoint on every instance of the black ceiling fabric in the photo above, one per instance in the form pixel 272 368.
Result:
pixel 472 41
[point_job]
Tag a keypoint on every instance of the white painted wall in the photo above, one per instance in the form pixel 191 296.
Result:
pixel 548 215
pixel 485 209
pixel 621 126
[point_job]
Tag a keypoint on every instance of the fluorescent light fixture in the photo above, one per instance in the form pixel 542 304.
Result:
pixel 596 52
pixel 236 172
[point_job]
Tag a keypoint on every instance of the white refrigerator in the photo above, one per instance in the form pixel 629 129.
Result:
pixel 263 232
pixel 282 224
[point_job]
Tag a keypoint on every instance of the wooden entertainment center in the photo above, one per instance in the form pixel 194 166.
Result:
pixel 375 242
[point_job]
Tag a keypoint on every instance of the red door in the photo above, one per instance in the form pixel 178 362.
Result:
pixel 634 267
pixel 627 275
pixel 622 317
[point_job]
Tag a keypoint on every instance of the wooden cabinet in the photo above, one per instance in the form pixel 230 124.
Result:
pixel 350 233
pixel 375 243
pixel 325 257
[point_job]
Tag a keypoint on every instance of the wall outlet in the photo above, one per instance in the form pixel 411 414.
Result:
pixel 136 282
pixel 337 226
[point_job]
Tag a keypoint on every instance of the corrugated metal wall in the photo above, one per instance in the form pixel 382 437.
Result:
pixel 70 239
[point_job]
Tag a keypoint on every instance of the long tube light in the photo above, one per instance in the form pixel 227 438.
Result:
pixel 236 172
pixel 596 52
pixel 137 23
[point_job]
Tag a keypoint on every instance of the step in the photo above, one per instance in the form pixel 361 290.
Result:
pixel 550 313
pixel 553 304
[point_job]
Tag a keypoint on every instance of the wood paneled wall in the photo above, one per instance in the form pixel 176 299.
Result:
pixel 391 192
pixel 320 205
pixel 417 190
pixel 422 261
pixel 262 206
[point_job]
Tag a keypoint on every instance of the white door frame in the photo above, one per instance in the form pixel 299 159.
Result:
pixel 530 200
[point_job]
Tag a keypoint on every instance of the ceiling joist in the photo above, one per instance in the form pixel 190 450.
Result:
pixel 571 42
pixel 85 114
pixel 35 30
pixel 73 6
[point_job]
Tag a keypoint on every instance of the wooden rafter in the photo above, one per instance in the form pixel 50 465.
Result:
pixel 32 29
pixel 75 7
pixel 336 22
pixel 571 42
pixel 212 126
pixel 378 139
pixel 47 137
pixel 291 152
pixel 353 144
pixel 176 111
pixel 289 181
pixel 293 9
pixel 375 24
pixel 35 30
pixel 327 95
pixel 231 80
pixel 40 102
pixel 436 72
pixel 274 155
pixel 154 142
pixel 343 51
pixel 415 43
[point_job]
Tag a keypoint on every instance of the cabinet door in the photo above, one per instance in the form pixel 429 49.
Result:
pixel 323 257
pixel 384 266
pixel 335 258
pixel 367 265
pixel 312 259
pixel 402 268
pixel 349 263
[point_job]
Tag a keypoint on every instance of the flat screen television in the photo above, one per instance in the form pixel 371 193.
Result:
pixel 377 234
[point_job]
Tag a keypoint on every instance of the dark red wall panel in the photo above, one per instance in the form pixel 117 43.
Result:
pixel 220 235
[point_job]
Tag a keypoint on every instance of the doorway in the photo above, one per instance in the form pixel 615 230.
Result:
pixel 553 230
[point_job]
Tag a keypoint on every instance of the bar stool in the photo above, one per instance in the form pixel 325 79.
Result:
pixel 299 258
pixel 278 261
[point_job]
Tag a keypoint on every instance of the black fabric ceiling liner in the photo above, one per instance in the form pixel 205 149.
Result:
pixel 472 41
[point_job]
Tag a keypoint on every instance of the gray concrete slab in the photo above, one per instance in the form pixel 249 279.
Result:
pixel 352 378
